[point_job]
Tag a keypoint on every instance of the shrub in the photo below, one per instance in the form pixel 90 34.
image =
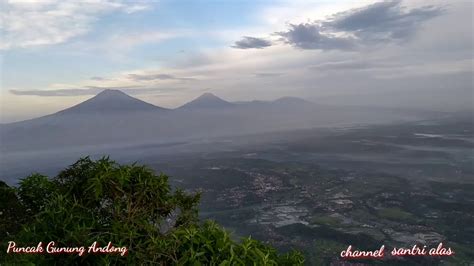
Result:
pixel 128 205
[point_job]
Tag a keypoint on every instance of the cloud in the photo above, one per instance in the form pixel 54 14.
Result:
pixel 309 36
pixel 251 43
pixel 124 41
pixel 149 77
pixel 58 92
pixel 267 75
pixel 97 78
pixel 136 8
pixel 346 65
pixel 35 23
pixel 377 23
pixel 94 90
pixel 389 68
pixel 192 59
pixel 381 21
pixel 84 91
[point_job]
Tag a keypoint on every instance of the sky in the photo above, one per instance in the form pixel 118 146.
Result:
pixel 55 54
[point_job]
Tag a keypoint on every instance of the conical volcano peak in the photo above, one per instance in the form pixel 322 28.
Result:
pixel 208 95
pixel 207 100
pixel 111 101
pixel 111 93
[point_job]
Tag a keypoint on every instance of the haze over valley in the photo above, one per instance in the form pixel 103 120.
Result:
pixel 112 117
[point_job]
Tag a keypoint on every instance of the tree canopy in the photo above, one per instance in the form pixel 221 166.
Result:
pixel 127 205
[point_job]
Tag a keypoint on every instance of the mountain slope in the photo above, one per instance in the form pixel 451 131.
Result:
pixel 109 117
pixel 110 101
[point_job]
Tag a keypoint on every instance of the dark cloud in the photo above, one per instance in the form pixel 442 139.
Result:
pixel 147 77
pixel 381 21
pixel 372 24
pixel 309 36
pixel 251 42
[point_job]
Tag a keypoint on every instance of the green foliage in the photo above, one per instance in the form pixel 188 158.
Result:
pixel 128 205
pixel 34 192
pixel 210 245
pixel 12 212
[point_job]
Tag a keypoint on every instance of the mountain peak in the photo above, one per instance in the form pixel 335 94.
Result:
pixel 207 96
pixel 207 100
pixel 111 101
pixel 111 92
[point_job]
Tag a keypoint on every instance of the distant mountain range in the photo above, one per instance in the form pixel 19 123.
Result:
pixel 113 117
